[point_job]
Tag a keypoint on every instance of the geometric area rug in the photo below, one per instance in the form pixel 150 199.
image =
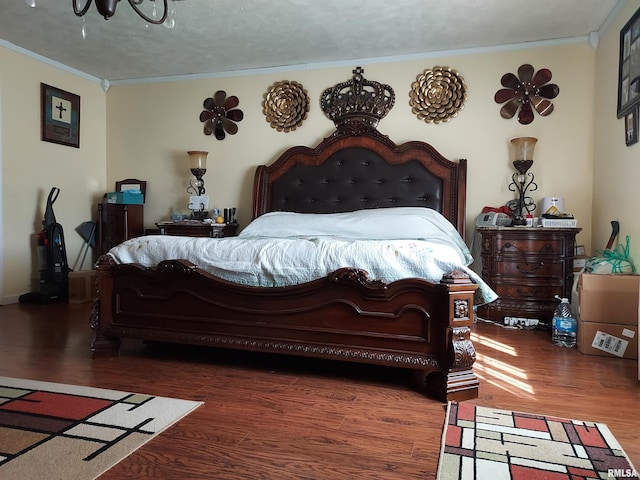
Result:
pixel 486 443
pixel 56 431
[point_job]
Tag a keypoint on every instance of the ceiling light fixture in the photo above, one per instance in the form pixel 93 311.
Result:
pixel 107 8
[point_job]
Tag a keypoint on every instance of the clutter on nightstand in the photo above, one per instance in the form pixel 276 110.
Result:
pixel 554 215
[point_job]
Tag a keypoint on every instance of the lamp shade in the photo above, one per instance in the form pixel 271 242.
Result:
pixel 197 159
pixel 523 148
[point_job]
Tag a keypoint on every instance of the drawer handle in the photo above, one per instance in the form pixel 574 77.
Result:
pixel 510 245
pixel 531 268
pixel 527 294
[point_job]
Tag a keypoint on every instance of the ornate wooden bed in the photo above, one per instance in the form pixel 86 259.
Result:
pixel 347 316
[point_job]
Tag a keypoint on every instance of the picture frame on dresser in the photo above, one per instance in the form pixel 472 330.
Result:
pixel 59 116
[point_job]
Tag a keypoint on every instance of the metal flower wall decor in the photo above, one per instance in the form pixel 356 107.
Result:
pixel 285 105
pixel 220 115
pixel 438 95
pixel 525 93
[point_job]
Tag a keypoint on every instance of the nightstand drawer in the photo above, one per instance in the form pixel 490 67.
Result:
pixel 529 292
pixel 523 246
pixel 530 266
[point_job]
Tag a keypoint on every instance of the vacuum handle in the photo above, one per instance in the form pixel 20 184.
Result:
pixel 54 191
pixel 49 216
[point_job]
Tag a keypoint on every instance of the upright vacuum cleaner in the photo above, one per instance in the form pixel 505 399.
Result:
pixel 52 257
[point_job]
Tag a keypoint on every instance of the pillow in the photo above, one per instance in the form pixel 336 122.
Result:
pixel 398 223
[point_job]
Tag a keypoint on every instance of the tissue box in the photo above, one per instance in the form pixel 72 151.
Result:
pixel 127 196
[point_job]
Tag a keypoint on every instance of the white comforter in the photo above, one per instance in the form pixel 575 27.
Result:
pixel 280 249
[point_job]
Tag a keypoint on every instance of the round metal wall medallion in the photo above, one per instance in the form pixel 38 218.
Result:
pixel 285 105
pixel 438 95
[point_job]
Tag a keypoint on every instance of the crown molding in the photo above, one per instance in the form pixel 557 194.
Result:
pixel 48 61
pixel 106 83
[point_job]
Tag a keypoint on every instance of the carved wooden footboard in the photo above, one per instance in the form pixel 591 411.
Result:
pixel 409 323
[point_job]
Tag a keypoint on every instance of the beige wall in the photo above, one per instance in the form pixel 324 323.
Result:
pixel 616 168
pixel 30 167
pixel 151 126
pixel 144 130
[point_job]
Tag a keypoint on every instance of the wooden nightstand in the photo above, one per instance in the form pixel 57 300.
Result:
pixel 526 267
pixel 197 228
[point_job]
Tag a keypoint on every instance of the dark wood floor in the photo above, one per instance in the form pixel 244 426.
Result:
pixel 277 417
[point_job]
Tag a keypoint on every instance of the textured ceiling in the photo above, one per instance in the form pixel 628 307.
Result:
pixel 218 36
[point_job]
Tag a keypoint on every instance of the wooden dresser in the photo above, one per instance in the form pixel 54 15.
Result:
pixel 117 223
pixel 526 267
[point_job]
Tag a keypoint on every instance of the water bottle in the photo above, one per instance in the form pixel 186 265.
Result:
pixel 564 327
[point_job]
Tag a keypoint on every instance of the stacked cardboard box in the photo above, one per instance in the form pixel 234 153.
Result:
pixel 608 315
pixel 82 286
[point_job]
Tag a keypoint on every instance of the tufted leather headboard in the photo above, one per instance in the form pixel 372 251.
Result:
pixel 352 171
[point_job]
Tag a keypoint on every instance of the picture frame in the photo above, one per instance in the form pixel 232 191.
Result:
pixel 631 126
pixel 629 66
pixel 60 116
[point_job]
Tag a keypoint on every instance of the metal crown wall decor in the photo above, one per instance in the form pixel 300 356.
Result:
pixel 357 101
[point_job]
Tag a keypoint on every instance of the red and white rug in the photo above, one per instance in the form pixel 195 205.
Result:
pixel 481 443
pixel 55 431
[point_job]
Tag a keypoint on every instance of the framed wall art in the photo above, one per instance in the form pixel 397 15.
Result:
pixel 631 126
pixel 60 116
pixel 629 66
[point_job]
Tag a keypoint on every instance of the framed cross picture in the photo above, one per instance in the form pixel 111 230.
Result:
pixel 60 116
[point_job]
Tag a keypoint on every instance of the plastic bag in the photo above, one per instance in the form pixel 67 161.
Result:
pixel 611 261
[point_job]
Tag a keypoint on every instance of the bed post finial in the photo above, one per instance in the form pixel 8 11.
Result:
pixel 358 101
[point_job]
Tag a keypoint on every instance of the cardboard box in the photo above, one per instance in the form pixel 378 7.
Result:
pixel 608 299
pixel 134 197
pixel 82 286
pixel 608 339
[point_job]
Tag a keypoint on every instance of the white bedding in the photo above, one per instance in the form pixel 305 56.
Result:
pixel 282 248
